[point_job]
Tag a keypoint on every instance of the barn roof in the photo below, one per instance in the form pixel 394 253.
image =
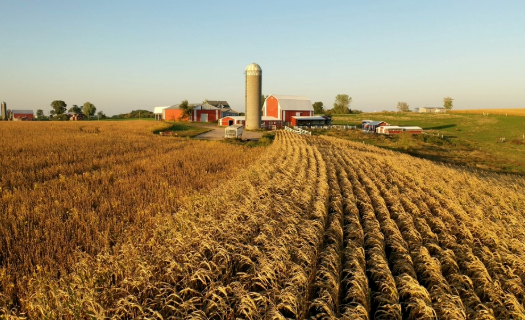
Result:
pixel 263 118
pixel 218 103
pixel 176 106
pixel 235 117
pixel 159 109
pixel 301 103
pixel 309 117
pixel 375 123
pixel 22 111
pixel 205 106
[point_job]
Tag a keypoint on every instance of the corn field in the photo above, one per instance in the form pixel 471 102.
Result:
pixel 316 228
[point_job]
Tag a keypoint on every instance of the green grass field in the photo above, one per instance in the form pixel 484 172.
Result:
pixel 468 139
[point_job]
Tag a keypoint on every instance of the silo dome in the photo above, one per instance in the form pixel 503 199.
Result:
pixel 253 69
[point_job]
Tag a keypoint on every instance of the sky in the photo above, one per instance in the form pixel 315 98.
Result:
pixel 128 55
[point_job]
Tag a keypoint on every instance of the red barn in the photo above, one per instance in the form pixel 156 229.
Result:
pixel 200 113
pixel 284 107
pixel 22 115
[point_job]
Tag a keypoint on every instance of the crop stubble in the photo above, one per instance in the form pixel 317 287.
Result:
pixel 319 228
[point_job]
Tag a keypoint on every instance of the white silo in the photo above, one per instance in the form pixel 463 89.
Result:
pixel 253 96
pixel 4 111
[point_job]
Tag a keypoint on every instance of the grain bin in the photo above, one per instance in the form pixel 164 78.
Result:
pixel 253 96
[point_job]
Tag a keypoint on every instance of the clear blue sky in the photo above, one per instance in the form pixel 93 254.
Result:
pixel 125 55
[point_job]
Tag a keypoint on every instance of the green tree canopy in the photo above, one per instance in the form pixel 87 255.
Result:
pixel 59 107
pixel 186 109
pixel 75 109
pixel 101 115
pixel 447 103
pixel 263 98
pixel 318 107
pixel 40 113
pixel 342 104
pixel 89 109
pixel 403 107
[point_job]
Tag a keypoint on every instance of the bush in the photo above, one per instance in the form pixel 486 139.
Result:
pixel 60 117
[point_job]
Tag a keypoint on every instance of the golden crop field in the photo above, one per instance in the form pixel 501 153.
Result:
pixel 70 189
pixel 510 112
pixel 317 228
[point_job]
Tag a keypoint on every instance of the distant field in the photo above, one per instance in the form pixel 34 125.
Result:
pixel 511 112
pixel 468 139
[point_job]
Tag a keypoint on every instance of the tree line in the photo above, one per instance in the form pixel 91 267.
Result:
pixel 340 106
pixel 343 101
pixel 404 107
pixel 59 108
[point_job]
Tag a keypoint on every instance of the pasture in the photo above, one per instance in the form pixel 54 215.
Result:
pixel 469 139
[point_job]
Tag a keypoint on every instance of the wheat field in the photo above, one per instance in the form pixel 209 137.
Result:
pixel 317 228
pixel 78 188
pixel 511 112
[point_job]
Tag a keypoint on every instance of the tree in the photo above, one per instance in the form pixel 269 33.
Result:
pixel 39 113
pixel 447 103
pixel 186 110
pixel 263 98
pixel 318 107
pixel 403 107
pixel 89 109
pixel 101 115
pixel 59 107
pixel 342 104
pixel 75 109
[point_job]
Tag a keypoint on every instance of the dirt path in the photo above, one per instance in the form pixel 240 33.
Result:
pixel 218 133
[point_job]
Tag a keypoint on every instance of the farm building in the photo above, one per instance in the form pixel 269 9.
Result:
pixel 22 115
pixel 413 130
pixel 373 125
pixel 73 116
pixel 158 111
pixel 308 121
pixel 432 110
pixel 203 112
pixel 224 107
pixel 233 131
pixel 283 107
pixel 390 130
pixel 232 120
pixel 266 122
pixel 363 122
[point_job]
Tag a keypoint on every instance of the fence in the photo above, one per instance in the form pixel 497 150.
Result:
pixel 297 130
pixel 335 127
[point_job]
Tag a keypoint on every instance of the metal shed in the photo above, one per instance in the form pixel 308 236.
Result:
pixel 233 131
